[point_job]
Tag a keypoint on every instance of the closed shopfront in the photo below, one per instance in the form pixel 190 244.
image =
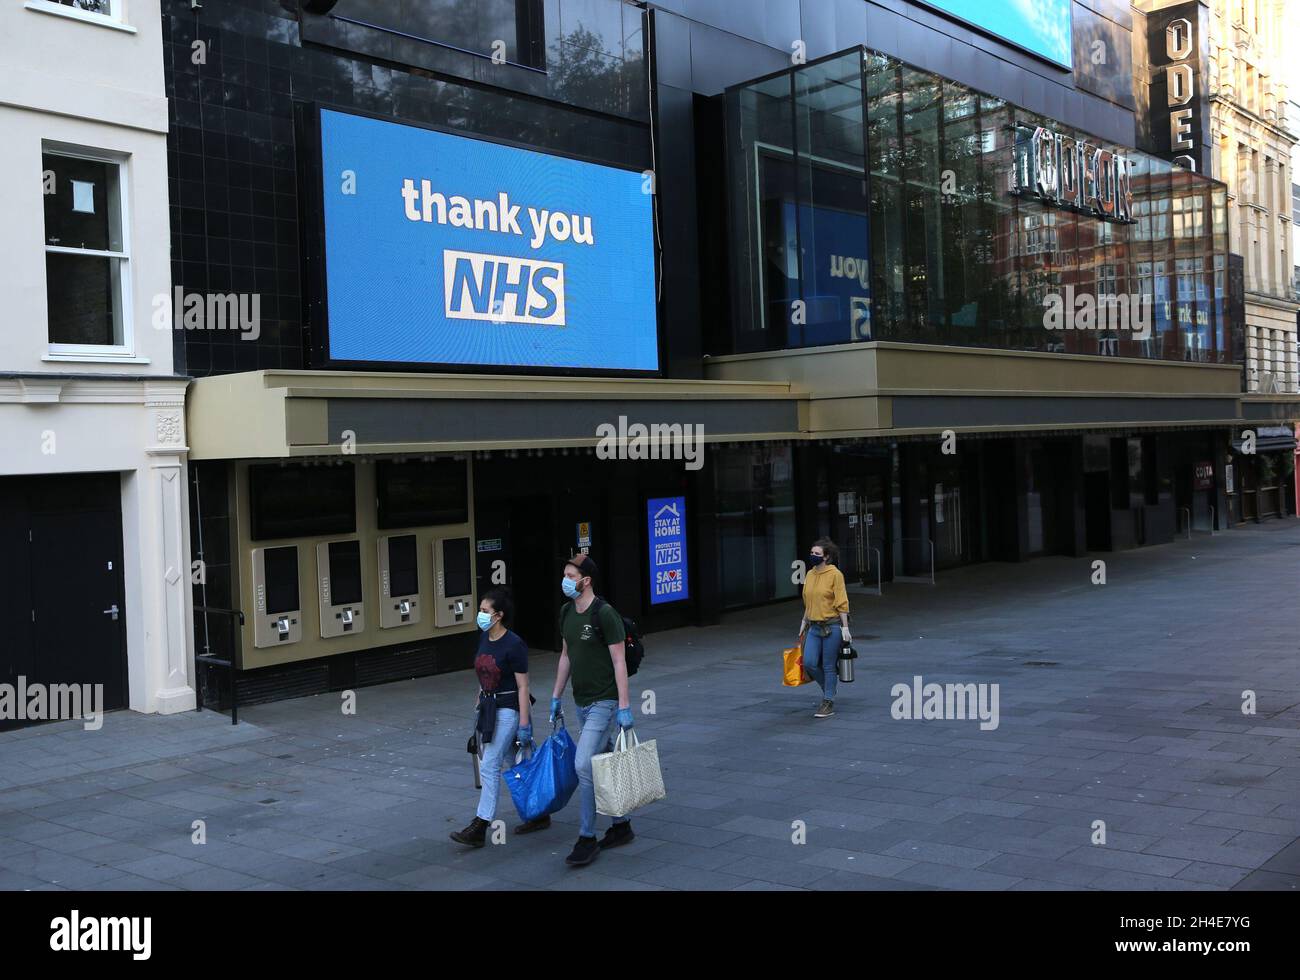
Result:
pixel 1264 480
pixel 62 593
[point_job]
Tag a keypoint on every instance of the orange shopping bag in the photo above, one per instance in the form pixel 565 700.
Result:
pixel 794 673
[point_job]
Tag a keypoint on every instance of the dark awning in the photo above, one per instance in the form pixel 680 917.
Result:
pixel 1270 439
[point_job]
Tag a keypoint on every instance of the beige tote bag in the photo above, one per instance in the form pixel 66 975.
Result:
pixel 627 778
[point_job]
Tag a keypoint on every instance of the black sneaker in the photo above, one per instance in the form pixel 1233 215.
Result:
pixel 584 852
pixel 826 710
pixel 529 826
pixel 619 833
pixel 475 835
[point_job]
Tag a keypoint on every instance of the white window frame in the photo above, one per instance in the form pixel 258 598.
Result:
pixel 116 18
pixel 124 351
pixel 1107 278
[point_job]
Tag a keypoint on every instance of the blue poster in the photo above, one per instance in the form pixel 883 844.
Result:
pixel 836 248
pixel 443 249
pixel 667 525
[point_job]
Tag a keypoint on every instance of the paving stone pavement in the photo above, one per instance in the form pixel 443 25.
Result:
pixel 1119 703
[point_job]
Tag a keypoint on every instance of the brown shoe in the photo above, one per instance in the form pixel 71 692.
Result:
pixel 826 710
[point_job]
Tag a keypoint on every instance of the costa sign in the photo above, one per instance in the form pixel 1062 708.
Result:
pixel 1074 174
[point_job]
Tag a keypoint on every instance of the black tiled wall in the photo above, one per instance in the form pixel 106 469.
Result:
pixel 233 165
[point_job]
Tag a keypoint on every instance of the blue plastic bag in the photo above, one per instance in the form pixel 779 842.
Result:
pixel 544 782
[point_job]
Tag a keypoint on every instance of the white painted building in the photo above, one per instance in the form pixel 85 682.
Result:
pixel 95 577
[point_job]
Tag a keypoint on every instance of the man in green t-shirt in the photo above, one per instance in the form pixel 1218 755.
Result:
pixel 592 651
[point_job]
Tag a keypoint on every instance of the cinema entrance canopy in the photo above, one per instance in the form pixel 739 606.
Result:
pixel 279 414
pixel 860 390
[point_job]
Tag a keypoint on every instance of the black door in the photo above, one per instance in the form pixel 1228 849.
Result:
pixel 859 523
pixel 535 573
pixel 849 529
pixel 519 532
pixel 65 533
pixel 1183 497
pixel 1096 502
pixel 78 603
pixel 492 545
pixel 15 584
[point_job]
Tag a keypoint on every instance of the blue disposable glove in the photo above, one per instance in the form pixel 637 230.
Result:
pixel 624 718
pixel 525 734
pixel 556 709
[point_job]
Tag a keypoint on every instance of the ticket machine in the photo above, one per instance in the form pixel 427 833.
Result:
pixel 399 581
pixel 277 616
pixel 453 595
pixel 338 570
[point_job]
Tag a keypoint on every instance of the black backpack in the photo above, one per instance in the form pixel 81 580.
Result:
pixel 634 648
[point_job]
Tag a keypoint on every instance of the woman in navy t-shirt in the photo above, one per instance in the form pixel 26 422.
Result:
pixel 502 668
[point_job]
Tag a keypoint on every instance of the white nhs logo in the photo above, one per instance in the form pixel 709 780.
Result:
pixel 503 288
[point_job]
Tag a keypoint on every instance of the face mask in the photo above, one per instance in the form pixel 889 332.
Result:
pixel 570 588
pixel 484 620
pixel 814 560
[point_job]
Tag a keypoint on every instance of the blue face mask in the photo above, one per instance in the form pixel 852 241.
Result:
pixel 814 560
pixel 570 588
pixel 484 620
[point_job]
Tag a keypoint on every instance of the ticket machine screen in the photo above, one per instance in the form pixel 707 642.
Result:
pixel 345 572
pixel 281 579
pixel 402 560
pixel 456 567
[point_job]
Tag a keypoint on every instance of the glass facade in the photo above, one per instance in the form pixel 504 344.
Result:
pixel 874 201
pixel 800 208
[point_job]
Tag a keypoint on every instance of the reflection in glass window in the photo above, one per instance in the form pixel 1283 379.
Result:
pixel 802 208
pixel 104 7
pixel 503 29
pixel 952 255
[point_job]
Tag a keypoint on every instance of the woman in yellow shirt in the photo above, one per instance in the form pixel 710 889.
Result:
pixel 825 623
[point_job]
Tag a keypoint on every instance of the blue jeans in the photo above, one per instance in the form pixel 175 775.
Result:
pixel 820 655
pixel 494 753
pixel 596 736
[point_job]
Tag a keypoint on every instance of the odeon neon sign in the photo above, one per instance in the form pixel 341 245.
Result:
pixel 1072 173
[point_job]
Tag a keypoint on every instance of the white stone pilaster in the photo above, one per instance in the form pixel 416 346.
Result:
pixel 165 502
